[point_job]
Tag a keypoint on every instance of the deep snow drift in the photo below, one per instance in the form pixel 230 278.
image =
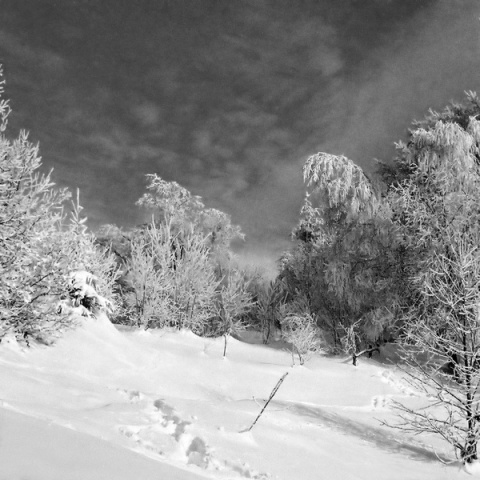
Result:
pixel 125 404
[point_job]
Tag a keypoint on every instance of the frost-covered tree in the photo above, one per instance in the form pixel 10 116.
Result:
pixel 38 248
pixel 184 213
pixel 178 269
pixel 30 214
pixel 150 297
pixel 170 203
pixel 437 210
pixel 343 260
pixel 166 289
pixel 232 302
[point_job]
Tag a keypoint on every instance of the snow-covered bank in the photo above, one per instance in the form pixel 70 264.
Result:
pixel 127 404
pixel 32 448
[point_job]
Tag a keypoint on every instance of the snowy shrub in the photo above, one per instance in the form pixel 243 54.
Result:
pixel 299 328
pixel 83 253
pixel 38 276
pixel 232 302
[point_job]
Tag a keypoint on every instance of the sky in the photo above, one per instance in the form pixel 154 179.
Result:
pixel 227 98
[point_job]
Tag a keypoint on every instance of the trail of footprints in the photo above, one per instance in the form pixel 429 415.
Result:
pixel 164 433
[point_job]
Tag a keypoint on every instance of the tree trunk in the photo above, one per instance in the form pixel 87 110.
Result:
pixel 225 338
pixel 470 452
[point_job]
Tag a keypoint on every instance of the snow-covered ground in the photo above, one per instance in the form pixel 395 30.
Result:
pixel 105 403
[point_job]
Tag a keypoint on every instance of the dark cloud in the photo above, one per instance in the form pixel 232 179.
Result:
pixel 226 98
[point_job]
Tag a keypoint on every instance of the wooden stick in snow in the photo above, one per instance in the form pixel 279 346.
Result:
pixel 274 391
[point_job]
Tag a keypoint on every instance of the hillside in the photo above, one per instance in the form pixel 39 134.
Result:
pixel 108 403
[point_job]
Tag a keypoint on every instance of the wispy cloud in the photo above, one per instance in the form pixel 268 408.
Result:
pixel 29 55
pixel 149 114
pixel 433 59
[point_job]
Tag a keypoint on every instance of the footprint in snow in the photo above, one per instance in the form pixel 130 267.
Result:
pixel 133 396
pixel 165 433
pixel 398 382
pixel 380 402
pixel 170 418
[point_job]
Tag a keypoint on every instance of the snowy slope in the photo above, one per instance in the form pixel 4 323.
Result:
pixel 117 404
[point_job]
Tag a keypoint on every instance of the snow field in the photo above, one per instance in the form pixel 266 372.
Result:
pixel 126 404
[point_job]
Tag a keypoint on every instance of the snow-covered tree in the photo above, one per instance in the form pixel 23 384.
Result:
pixel 437 210
pixel 38 248
pixel 30 215
pixel 343 260
pixel 232 302
pixel 170 203
pixel 174 206
pixel 149 298
pixel 167 288
pixel 178 268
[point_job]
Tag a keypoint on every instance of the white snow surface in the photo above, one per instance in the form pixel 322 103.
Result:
pixel 123 404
